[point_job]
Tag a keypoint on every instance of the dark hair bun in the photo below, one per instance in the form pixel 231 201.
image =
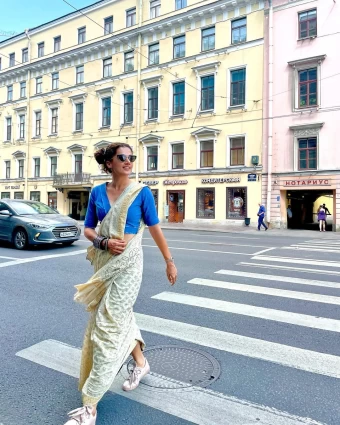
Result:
pixel 100 156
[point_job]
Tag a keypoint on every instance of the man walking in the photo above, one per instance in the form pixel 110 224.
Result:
pixel 261 214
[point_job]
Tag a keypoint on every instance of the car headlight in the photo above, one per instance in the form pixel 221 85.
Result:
pixel 39 226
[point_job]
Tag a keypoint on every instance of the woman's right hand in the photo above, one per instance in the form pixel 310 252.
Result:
pixel 116 246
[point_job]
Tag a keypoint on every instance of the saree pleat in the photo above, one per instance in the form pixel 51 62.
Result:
pixel 110 295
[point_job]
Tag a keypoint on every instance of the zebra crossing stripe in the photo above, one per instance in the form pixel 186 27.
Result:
pixel 296 269
pixel 309 248
pixel 197 405
pixel 296 280
pixel 252 311
pixel 318 298
pixel 294 260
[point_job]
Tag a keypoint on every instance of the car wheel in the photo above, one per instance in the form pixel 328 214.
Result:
pixel 20 239
pixel 67 243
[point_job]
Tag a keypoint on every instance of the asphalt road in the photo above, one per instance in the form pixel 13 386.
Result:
pixel 270 317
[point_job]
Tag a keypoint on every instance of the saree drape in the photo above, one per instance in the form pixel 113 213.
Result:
pixel 110 295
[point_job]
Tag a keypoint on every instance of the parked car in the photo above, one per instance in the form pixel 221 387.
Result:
pixel 26 223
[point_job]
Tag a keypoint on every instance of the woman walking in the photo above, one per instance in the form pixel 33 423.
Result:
pixel 123 208
pixel 322 218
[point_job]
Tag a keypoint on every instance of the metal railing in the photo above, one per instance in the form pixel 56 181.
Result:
pixel 71 179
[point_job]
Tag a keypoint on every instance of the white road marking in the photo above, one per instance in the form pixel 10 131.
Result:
pixel 264 250
pixel 43 257
pixel 225 236
pixel 297 280
pixel 317 298
pixel 284 355
pixel 9 258
pixel 311 248
pixel 252 311
pixel 215 243
pixel 197 405
pixel 200 250
pixel 296 269
pixel 291 260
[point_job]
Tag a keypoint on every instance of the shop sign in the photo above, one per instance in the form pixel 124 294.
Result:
pixel 251 177
pixel 150 182
pixel 222 180
pixel 13 187
pixel 311 182
pixel 174 182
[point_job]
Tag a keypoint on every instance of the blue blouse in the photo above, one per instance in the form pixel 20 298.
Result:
pixel 142 207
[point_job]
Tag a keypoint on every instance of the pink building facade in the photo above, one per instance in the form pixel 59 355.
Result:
pixel 301 148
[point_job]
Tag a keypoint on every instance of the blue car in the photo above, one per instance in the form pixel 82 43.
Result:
pixel 25 223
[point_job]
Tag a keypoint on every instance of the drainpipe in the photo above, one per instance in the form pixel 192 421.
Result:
pixel 28 115
pixel 270 110
pixel 139 68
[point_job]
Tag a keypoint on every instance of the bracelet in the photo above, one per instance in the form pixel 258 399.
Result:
pixel 97 242
pixel 170 260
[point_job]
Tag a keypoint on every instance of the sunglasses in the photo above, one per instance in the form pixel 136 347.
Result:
pixel 122 157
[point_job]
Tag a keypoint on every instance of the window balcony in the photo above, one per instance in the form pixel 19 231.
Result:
pixel 71 179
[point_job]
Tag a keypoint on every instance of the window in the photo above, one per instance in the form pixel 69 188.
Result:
pixel 108 25
pixel 154 54
pixel 205 203
pixel 178 103
pixel 23 89
pixel 153 103
pixel 180 4
pixel 8 129
pixel 5 195
pixel 237 87
pixel 8 169
pixel 22 120
pixel 177 156
pixel 20 168
pixel 155 196
pixel 38 124
pixel 18 195
pixel 79 116
pixel 54 126
pixel 128 108
pixel 106 104
pixel 131 17
pixel 41 49
pixel 38 85
pixel 10 92
pixel 81 35
pixel 239 31
pixel 24 55
pixel 57 43
pixel 207 154
pixel 129 59
pixel 12 59
pixel 307 24
pixel 35 196
pixel 308 88
pixel 155 8
pixel 55 80
pixel 208 39
pixel 179 47
pixel 207 93
pixel 237 145
pixel 78 163
pixel 107 67
pixel 54 162
pixel 236 202
pixel 0 64
pixel 152 160
pixel 80 74
pixel 52 200
pixel 307 153
pixel 36 171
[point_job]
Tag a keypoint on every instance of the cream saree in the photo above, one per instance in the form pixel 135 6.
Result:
pixel 110 295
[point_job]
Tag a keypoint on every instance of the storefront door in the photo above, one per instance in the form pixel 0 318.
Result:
pixel 176 202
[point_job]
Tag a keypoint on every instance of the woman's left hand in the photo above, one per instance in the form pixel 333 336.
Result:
pixel 171 272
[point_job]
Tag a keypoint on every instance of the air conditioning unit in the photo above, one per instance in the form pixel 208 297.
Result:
pixel 255 160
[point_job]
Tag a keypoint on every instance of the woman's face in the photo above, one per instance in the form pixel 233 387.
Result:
pixel 121 167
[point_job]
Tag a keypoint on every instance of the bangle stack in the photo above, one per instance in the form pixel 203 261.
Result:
pixel 101 242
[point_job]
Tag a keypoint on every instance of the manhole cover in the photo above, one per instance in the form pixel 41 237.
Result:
pixel 174 367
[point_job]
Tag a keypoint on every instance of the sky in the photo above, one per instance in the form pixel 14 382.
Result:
pixel 17 15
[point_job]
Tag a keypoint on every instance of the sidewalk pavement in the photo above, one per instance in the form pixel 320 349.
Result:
pixel 251 230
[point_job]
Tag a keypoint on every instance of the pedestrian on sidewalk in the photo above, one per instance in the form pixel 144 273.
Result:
pixel 123 208
pixel 322 218
pixel 261 215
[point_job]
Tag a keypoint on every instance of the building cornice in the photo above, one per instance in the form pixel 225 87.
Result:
pixel 313 59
